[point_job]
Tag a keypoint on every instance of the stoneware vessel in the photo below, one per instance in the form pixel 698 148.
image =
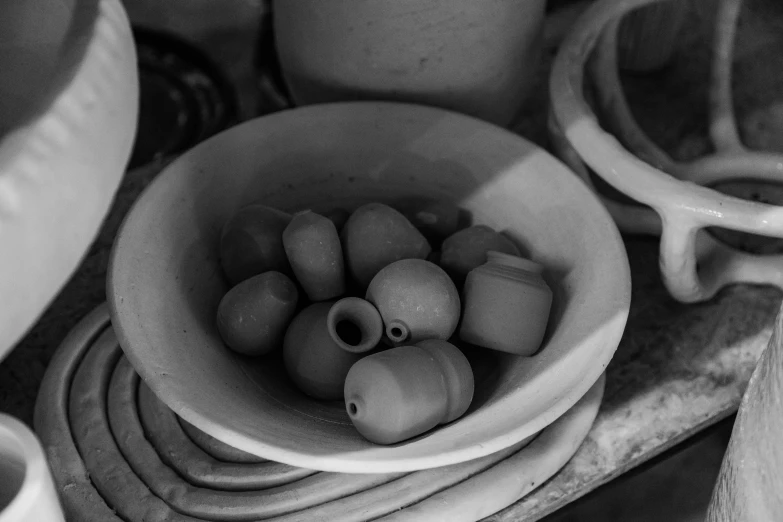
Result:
pixel 399 393
pixel 27 491
pixel 324 340
pixel 251 242
pixel 376 235
pixel 253 316
pixel 313 248
pixel 671 199
pixel 68 107
pixel 467 249
pixel 417 301
pixel 479 58
pixel 506 305
pixel 165 283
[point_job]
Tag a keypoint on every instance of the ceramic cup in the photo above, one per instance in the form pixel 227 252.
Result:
pixel 673 199
pixel 479 58
pixel 26 489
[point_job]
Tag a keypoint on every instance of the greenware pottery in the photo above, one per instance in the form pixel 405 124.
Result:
pixel 376 235
pixel 402 392
pixel 416 299
pixel 467 249
pixel 507 305
pixel 253 316
pixel 312 245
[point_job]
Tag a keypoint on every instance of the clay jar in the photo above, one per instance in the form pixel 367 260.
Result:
pixel 312 246
pixel 376 235
pixel 251 243
pixel 253 316
pixel 325 339
pixel 507 305
pixel 479 58
pixel 416 299
pixel 467 249
pixel 399 393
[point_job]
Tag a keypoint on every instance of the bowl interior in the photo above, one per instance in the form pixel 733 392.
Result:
pixel 165 280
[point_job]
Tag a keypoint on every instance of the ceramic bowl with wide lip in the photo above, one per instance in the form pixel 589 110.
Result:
pixel 165 281
pixel 68 108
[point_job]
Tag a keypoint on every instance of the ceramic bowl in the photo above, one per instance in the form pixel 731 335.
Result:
pixel 165 281
pixel 68 106
pixel 667 198
pixel 26 487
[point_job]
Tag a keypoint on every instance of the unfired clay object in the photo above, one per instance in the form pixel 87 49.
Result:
pixel 675 197
pixel 321 345
pixel 417 301
pixel 506 305
pixel 465 492
pixel 164 287
pixel 69 95
pixel 313 248
pixel 253 316
pixel 399 393
pixel 377 235
pixel 457 54
pixel 251 243
pixel 467 249
pixel 27 491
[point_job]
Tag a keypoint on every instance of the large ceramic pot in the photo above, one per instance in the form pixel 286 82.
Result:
pixel 479 58
pixel 68 108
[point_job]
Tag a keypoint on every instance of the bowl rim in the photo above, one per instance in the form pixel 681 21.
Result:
pixel 617 300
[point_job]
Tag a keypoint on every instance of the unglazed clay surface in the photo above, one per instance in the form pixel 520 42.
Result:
pixel 163 301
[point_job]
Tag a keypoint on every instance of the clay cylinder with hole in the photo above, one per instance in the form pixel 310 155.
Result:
pixel 403 392
pixel 417 300
pixel 253 316
pixel 507 305
pixel 324 340
pixel 376 235
pixel 312 246
pixel 467 249
pixel 251 243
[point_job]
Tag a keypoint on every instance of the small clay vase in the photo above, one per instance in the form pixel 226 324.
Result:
pixel 312 245
pixel 324 340
pixel 467 249
pixel 507 305
pixel 417 300
pixel 396 394
pixel 253 316
pixel 377 235
pixel 251 243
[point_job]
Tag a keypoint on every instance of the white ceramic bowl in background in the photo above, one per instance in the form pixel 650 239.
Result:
pixel 675 198
pixel 27 491
pixel 68 107
pixel 165 280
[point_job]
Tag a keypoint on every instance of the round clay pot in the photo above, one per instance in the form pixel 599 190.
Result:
pixel 417 300
pixel 507 305
pixel 253 316
pixel 321 345
pixel 399 393
pixel 313 248
pixel 467 249
pixel 377 235
pixel 479 58
pixel 26 488
pixel 251 243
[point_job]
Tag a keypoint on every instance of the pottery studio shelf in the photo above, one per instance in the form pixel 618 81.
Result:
pixel 678 370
